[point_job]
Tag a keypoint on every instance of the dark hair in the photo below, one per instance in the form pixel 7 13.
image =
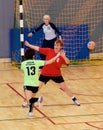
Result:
pixel 29 53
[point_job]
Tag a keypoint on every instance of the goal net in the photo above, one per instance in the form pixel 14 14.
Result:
pixel 79 22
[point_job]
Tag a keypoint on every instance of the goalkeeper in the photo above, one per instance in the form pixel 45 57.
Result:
pixel 50 33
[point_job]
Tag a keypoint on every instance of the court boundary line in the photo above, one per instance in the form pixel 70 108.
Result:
pixel 12 88
pixel 79 122
pixel 87 123
pixel 60 89
pixel 25 118
pixel 49 118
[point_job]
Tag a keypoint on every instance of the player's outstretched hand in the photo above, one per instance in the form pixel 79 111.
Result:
pixel 30 34
pixel 27 43
pixel 60 38
pixel 62 53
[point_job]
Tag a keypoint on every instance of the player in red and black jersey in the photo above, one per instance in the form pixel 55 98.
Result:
pixel 52 71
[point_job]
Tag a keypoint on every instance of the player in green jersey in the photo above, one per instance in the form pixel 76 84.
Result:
pixel 30 68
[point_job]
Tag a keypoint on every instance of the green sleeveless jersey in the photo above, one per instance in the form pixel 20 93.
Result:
pixel 31 69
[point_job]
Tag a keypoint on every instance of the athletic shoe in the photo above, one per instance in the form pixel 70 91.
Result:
pixel 30 113
pixel 24 104
pixel 75 101
pixel 40 100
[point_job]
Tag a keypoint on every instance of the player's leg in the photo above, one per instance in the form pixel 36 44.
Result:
pixel 43 80
pixel 40 84
pixel 31 102
pixel 28 95
pixel 34 99
pixel 60 80
pixel 69 93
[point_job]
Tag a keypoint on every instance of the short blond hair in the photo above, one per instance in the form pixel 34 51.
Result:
pixel 46 17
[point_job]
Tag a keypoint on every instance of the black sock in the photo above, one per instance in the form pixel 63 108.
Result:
pixel 32 100
pixel 31 107
pixel 74 98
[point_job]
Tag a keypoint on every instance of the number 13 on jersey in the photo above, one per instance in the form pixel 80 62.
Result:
pixel 30 70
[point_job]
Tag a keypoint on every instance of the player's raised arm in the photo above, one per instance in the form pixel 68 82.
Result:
pixel 31 46
pixel 62 53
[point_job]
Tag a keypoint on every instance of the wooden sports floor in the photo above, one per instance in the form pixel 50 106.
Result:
pixel 58 111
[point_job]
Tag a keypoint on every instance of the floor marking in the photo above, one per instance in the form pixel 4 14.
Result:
pixel 85 103
pixel 35 107
pixel 88 123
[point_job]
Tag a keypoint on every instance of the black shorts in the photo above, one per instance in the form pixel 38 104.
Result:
pixel 56 79
pixel 31 88
pixel 49 43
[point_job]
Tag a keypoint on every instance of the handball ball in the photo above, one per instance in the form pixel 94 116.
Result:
pixel 91 45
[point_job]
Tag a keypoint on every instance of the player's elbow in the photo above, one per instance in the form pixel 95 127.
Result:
pixel 67 62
